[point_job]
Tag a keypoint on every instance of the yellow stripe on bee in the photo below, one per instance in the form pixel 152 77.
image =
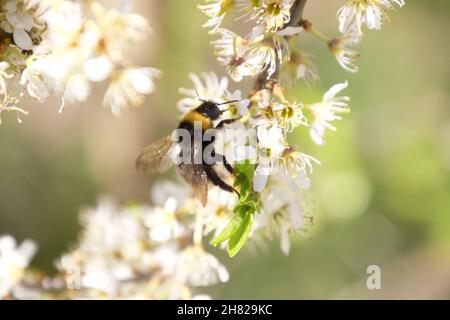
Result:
pixel 194 116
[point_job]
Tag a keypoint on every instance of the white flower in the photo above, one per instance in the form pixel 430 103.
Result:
pixel 109 229
pixel 128 87
pixel 245 57
pixel 274 14
pixel 63 55
pixel 301 67
pixel 163 190
pixel 112 250
pixel 271 145
pixel 10 92
pixel 249 8
pixel 36 81
pixel 98 69
pixel 230 50
pixel 77 88
pixel 297 166
pixel 283 212
pixel 236 142
pixel 14 260
pixel 112 31
pixel 327 111
pixel 279 45
pixel 262 57
pixel 290 115
pixel 270 111
pixel 370 13
pixel 23 18
pixel 281 42
pixel 271 140
pixel 163 224
pixel 218 211
pixel 241 105
pixel 212 88
pixel 217 10
pixel 345 55
pixel 197 267
pixel 264 113
pixel 65 24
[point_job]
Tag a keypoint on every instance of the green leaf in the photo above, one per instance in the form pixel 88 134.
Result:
pixel 238 229
pixel 246 168
pixel 240 236
pixel 226 233
pixel 244 172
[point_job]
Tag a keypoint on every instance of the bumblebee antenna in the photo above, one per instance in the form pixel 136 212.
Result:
pixel 228 102
pixel 198 96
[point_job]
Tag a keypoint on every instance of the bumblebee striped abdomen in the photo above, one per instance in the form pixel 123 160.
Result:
pixel 191 117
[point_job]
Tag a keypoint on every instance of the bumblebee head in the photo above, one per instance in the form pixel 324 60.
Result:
pixel 211 110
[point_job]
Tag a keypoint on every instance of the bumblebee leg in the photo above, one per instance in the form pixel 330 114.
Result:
pixel 226 164
pixel 222 123
pixel 216 180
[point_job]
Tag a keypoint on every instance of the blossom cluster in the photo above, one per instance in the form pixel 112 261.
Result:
pixel 137 251
pixel 133 252
pixel 141 252
pixel 63 48
pixel 271 37
pixel 272 55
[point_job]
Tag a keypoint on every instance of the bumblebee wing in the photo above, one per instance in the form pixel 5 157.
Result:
pixel 196 177
pixel 155 157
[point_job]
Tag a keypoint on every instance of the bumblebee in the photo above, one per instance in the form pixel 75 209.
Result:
pixel 157 156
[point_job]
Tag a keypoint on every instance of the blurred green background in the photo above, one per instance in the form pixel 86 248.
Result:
pixel 382 193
